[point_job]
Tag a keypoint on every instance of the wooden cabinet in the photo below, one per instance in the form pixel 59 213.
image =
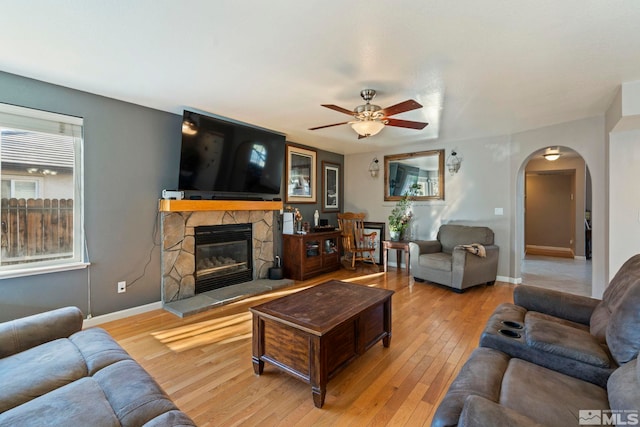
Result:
pixel 307 255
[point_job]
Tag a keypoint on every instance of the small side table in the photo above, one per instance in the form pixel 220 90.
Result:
pixel 399 246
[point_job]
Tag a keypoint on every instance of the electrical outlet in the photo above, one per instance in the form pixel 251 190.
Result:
pixel 122 287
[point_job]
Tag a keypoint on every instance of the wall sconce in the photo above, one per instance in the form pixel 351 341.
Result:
pixel 552 154
pixel 453 162
pixel 374 167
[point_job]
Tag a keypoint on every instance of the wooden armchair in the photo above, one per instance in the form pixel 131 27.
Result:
pixel 356 244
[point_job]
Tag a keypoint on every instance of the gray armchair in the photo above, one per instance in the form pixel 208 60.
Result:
pixel 443 261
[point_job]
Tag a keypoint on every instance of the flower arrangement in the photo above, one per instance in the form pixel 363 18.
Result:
pixel 401 213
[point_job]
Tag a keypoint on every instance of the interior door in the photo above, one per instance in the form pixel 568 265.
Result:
pixel 550 212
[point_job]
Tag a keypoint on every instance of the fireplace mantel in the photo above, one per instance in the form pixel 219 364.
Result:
pixel 218 205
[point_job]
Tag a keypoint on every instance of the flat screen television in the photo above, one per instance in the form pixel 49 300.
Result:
pixel 223 159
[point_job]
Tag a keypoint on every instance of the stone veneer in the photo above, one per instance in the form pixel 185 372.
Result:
pixel 178 244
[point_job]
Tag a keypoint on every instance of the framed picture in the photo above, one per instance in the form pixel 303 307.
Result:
pixel 301 175
pixel 330 187
pixel 379 228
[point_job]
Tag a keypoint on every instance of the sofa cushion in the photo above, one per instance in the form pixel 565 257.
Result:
pixel 37 371
pixel 134 396
pixel 481 375
pixel 437 261
pixel 623 333
pixel 623 387
pixel 565 341
pixel 98 349
pixel 559 320
pixel 452 235
pixel 27 332
pixel 546 396
pixel 173 418
pixel 80 403
pixel 627 276
pixel 480 412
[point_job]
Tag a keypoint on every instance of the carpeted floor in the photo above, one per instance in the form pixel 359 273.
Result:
pixel 564 274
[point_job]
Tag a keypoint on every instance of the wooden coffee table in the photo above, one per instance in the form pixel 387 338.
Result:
pixel 314 333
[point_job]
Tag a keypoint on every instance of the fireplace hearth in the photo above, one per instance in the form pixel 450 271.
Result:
pixel 223 256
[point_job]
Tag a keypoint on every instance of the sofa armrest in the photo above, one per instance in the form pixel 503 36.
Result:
pixel 480 412
pixel 418 247
pixel 27 332
pixel 575 308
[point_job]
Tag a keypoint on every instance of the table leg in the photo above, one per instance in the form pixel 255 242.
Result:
pixel 258 365
pixel 318 371
pixel 385 254
pixel 406 260
pixel 318 396
pixel 398 258
pixel 386 341
pixel 257 345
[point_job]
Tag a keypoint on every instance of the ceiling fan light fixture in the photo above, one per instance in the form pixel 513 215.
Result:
pixel 367 127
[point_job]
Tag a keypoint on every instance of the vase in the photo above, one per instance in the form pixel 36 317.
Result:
pixel 395 235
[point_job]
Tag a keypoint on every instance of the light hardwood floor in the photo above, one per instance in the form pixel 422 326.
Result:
pixel 204 362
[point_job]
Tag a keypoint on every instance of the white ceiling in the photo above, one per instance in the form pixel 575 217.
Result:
pixel 480 68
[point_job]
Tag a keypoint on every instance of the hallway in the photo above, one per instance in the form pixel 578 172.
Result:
pixel 563 274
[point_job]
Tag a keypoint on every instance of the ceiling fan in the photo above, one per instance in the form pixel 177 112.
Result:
pixel 371 119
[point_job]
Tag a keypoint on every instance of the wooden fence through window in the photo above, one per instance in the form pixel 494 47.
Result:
pixel 36 229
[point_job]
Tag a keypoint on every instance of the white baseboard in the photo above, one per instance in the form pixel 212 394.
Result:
pixel 580 258
pixel 549 251
pixel 117 315
pixel 512 280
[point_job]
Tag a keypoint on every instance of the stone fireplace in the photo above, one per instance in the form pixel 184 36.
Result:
pixel 180 220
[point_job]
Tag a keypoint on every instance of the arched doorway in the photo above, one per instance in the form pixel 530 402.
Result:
pixel 556 222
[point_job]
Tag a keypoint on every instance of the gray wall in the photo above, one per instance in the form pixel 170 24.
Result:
pixel 131 154
pixel 307 209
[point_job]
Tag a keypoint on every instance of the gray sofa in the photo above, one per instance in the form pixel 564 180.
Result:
pixel 494 389
pixel 442 261
pixel 54 373
pixel 569 359
pixel 579 336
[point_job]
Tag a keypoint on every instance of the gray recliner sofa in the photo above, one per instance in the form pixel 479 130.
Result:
pixel 54 373
pixel 443 261
pixel 554 371
pixel 494 389
pixel 576 335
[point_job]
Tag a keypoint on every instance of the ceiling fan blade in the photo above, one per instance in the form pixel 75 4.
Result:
pixel 406 124
pixel 328 126
pixel 407 105
pixel 362 136
pixel 339 109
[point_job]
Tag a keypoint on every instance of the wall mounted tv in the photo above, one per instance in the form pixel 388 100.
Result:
pixel 223 159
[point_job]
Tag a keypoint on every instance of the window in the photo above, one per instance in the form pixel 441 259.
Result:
pixel 41 206
pixel 20 188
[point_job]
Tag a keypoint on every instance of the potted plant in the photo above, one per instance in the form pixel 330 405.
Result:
pixel 401 213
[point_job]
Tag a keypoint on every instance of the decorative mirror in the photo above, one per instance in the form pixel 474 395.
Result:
pixel 426 168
